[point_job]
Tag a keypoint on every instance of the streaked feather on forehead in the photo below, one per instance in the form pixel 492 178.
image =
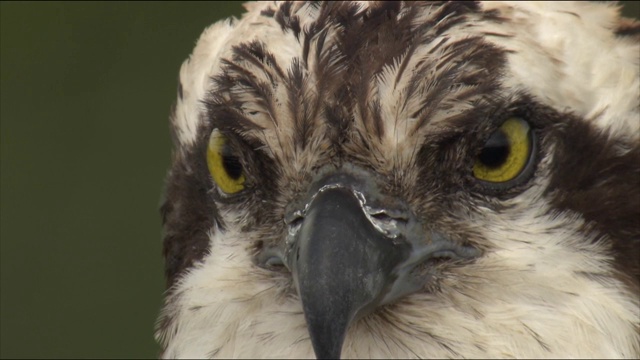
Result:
pixel 312 41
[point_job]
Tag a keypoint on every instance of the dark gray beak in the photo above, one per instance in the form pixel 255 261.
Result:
pixel 342 266
pixel 351 249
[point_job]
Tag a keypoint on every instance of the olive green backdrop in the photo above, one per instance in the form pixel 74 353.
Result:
pixel 84 144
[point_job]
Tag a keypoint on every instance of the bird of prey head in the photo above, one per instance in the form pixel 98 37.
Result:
pixel 406 179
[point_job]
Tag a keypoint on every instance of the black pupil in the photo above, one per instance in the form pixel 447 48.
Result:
pixel 231 163
pixel 495 151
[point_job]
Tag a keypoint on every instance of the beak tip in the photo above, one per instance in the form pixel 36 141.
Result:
pixel 327 337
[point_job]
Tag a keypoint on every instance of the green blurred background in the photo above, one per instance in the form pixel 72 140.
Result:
pixel 85 145
pixel 86 90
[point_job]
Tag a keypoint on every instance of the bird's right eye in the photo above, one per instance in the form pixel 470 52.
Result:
pixel 225 167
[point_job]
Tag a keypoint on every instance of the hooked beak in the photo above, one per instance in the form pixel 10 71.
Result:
pixel 342 267
pixel 351 250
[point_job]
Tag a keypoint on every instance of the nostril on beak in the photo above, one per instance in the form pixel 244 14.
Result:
pixel 386 221
pixel 382 216
pixel 388 216
pixel 385 218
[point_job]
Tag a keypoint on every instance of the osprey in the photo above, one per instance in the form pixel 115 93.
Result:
pixel 404 180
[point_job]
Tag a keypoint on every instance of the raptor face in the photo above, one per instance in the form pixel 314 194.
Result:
pixel 406 180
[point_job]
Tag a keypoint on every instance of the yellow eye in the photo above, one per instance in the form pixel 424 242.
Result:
pixel 224 166
pixel 506 154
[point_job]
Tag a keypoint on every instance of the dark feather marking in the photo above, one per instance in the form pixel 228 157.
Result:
pixel 536 336
pixel 306 46
pixel 268 58
pixel 403 65
pixel 229 118
pixel 376 117
pixel 268 12
pixel 338 121
pixel 231 83
pixel 592 176
pixel 214 353
pixel 391 320
pixel 368 41
pixel 227 113
pixel 628 27
pixel 489 33
pixel 442 19
pixel 188 213
pixel 446 346
pixel 287 20
pixel 235 75
pixel 301 338
pixel 392 40
pixel 375 331
pixel 470 62
pixel 322 36
pixel 255 53
pixel 325 72
pixel 296 80
pixel 570 13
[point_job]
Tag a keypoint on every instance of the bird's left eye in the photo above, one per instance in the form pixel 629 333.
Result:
pixel 506 154
pixel 225 167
